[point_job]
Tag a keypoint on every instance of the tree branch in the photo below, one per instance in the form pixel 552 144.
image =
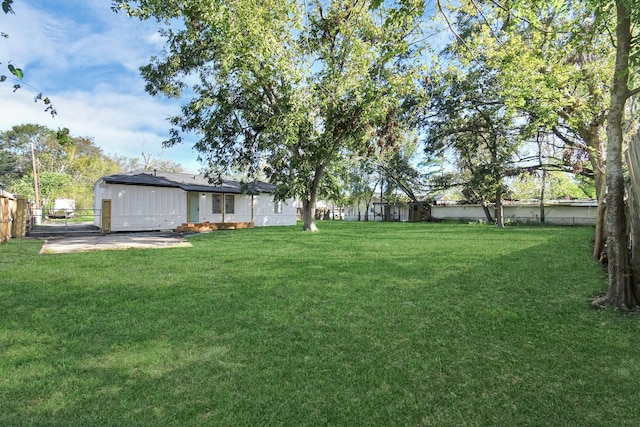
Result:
pixel 457 36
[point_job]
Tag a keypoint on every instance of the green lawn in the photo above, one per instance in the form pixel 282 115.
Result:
pixel 361 324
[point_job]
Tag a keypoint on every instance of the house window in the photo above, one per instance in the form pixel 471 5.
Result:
pixel 229 207
pixel 277 207
pixel 217 204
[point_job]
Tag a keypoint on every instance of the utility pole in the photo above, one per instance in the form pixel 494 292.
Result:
pixel 35 177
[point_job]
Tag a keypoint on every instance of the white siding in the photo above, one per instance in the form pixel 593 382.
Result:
pixel 463 212
pixel 554 214
pixel 145 208
pixel 241 213
pixel 100 192
pixel 140 208
pixel 264 215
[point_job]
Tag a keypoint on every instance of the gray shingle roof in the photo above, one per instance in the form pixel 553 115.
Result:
pixel 187 182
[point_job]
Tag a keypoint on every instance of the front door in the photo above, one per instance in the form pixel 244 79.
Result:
pixel 193 208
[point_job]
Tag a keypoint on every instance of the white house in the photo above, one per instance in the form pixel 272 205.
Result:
pixel 145 201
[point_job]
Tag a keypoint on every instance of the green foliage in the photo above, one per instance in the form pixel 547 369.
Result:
pixel 467 116
pixel 6 6
pixel 605 14
pixel 15 71
pixel 359 179
pixel 375 4
pixel 52 186
pixel 286 88
pixel 62 136
pixel 553 70
pixel 397 169
pixel 68 166
pixel 558 185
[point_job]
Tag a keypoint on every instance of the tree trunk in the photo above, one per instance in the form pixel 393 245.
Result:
pixel 544 183
pixel 487 212
pixel 309 215
pixel 596 147
pixel 620 293
pixel 543 179
pixel 499 210
pixel 425 211
pixel 598 244
pixel 309 202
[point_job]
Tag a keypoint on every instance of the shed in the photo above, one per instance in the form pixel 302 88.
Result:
pixel 146 201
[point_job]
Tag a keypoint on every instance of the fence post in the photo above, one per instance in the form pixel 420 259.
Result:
pixel 20 218
pixel 4 218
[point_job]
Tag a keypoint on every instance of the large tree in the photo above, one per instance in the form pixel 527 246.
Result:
pixel 570 46
pixel 467 116
pixel 290 87
pixel 621 292
pixel 554 71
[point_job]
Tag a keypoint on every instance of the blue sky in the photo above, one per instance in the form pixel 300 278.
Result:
pixel 85 58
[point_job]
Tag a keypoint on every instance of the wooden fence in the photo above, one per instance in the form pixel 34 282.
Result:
pixel 633 193
pixel 13 216
pixel 633 162
pixel 8 206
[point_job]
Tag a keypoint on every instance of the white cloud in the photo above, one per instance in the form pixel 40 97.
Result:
pixel 89 69
pixel 119 123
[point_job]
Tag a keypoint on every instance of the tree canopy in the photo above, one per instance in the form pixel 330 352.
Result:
pixel 289 88
pixel 567 69
pixel 66 170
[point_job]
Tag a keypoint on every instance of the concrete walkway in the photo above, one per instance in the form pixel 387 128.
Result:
pixel 100 242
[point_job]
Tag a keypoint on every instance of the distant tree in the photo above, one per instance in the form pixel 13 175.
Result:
pixel 359 181
pixel 556 65
pixel 53 186
pixel 468 117
pixel 15 150
pixel 557 185
pixel 554 72
pixel 146 161
pixel 400 172
pixel 68 170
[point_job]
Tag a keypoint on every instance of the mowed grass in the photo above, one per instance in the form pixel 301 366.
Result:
pixel 361 324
